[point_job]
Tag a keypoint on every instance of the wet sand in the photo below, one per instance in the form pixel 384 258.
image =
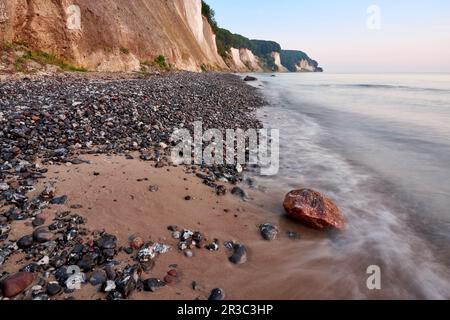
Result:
pixel 117 199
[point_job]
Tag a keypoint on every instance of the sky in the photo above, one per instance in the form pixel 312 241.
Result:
pixel 349 35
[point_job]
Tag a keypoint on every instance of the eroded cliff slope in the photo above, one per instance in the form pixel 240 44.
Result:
pixel 115 35
pixel 129 35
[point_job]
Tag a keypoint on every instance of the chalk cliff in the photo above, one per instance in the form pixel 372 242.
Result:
pixel 244 60
pixel 123 35
pixel 277 61
pixel 115 35
pixel 299 61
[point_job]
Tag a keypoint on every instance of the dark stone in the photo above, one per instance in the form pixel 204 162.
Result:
pixel 115 295
pixel 32 267
pixel 25 242
pixel 108 242
pixel 126 285
pixel 197 237
pixel 214 246
pixel 217 295
pixel 87 263
pixel 59 200
pixel 221 190
pixel 250 78
pixel 195 285
pixel 53 289
pixel 60 152
pixel 268 231
pixel 109 253
pixel 98 277
pixel 61 274
pixel 42 235
pixel 18 216
pixel 239 254
pixel 57 262
pixel 37 222
pixel 153 285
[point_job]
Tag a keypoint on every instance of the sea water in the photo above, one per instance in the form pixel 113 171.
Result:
pixel 379 146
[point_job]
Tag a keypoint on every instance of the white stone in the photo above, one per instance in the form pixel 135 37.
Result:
pixel 4 186
pixel 110 286
pixel 74 281
pixel 44 261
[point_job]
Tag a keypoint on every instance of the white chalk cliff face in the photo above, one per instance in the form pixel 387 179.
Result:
pixel 304 65
pixel 280 68
pixel 191 12
pixel 118 35
pixel 236 59
pixel 243 60
pixel 145 28
pixel 250 60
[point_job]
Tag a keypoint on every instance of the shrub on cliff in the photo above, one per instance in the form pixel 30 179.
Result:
pixel 160 61
pixel 209 14
pixel 227 40
pixel 290 59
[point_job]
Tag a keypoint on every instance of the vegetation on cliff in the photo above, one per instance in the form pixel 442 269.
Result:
pixel 26 59
pixel 263 49
pixel 291 58
pixel 209 14
pixel 227 40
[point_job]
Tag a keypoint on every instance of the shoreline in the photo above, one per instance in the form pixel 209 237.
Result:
pixel 117 199
pixel 89 160
pixel 75 175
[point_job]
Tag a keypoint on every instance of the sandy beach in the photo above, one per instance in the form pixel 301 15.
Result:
pixel 117 202
pixel 115 190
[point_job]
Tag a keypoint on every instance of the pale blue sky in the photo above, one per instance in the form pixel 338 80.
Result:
pixel 414 34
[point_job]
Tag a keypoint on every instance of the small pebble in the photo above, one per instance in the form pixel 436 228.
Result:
pixel 217 295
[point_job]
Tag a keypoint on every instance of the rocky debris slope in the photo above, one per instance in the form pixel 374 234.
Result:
pixel 54 120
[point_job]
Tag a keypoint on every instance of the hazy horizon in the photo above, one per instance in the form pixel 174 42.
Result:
pixel 405 36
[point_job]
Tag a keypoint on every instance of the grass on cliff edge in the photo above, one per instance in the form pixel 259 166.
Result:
pixel 159 62
pixel 39 56
pixel 48 58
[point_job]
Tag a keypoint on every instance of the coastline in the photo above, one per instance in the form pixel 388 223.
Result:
pixel 127 191
pixel 88 157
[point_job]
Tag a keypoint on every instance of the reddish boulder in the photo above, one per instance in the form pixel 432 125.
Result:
pixel 137 243
pixel 16 284
pixel 313 209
